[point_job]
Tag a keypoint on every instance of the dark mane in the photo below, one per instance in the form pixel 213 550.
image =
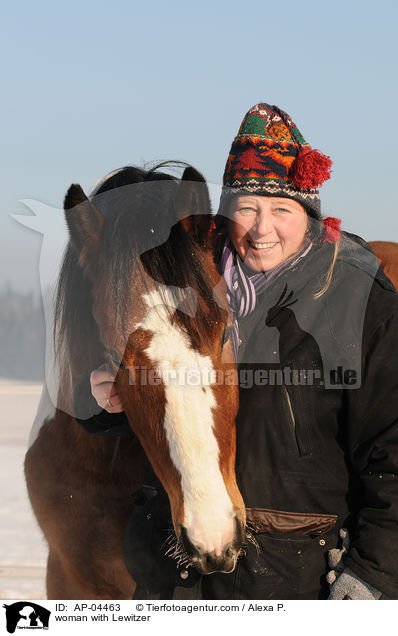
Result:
pixel 138 208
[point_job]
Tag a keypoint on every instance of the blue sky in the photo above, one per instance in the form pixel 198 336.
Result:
pixel 91 86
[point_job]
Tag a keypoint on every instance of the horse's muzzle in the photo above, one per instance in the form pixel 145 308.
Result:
pixel 209 562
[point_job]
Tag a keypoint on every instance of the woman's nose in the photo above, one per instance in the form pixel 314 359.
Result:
pixel 263 224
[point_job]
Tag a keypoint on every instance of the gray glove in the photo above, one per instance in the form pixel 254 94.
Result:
pixel 344 583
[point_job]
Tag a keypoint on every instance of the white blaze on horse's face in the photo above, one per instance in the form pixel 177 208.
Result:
pixel 209 517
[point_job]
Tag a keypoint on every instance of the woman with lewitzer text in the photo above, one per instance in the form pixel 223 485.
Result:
pixel 315 333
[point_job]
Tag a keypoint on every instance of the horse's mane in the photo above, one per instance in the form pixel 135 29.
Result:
pixel 138 215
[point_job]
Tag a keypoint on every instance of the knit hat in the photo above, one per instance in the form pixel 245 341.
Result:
pixel 269 156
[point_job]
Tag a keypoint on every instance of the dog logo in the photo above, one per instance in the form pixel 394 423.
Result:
pixel 26 615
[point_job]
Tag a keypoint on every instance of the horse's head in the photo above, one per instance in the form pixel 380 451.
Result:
pixel 146 250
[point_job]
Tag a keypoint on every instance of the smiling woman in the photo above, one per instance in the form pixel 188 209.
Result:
pixel 265 231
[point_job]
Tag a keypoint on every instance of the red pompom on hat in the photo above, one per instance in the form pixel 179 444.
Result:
pixel 310 169
pixel 331 230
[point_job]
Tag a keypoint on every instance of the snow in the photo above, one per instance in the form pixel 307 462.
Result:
pixel 23 551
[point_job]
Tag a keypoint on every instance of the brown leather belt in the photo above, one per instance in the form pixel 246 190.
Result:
pixel 268 520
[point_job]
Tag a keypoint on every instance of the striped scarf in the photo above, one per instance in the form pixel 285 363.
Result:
pixel 243 289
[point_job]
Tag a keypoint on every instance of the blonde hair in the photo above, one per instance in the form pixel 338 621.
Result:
pixel 329 274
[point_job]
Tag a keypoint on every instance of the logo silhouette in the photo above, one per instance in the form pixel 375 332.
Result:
pixel 295 343
pixel 26 615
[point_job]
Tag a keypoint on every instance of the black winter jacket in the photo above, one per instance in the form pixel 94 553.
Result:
pixel 317 428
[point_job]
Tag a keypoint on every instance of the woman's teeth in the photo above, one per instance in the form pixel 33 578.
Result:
pixel 262 246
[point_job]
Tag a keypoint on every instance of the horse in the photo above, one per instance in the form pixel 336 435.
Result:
pixel 387 255
pixel 139 288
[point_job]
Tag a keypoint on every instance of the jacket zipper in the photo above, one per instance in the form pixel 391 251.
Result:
pixel 303 448
pixel 289 403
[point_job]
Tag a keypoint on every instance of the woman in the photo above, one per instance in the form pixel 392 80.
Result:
pixel 315 334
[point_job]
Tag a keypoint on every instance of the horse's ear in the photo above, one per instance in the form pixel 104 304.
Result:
pixel 192 204
pixel 83 219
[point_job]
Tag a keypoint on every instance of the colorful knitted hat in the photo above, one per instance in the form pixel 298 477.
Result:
pixel 269 156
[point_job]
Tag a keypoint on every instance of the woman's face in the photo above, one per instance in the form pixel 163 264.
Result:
pixel 266 230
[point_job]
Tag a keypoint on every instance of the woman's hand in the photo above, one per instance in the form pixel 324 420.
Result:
pixel 104 390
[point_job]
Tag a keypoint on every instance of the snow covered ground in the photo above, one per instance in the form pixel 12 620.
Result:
pixel 23 551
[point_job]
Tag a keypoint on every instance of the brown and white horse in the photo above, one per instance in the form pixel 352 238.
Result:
pixel 140 289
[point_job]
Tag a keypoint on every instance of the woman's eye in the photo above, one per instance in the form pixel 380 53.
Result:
pixel 281 210
pixel 246 211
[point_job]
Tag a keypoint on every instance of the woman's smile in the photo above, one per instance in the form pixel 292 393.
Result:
pixel 255 245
